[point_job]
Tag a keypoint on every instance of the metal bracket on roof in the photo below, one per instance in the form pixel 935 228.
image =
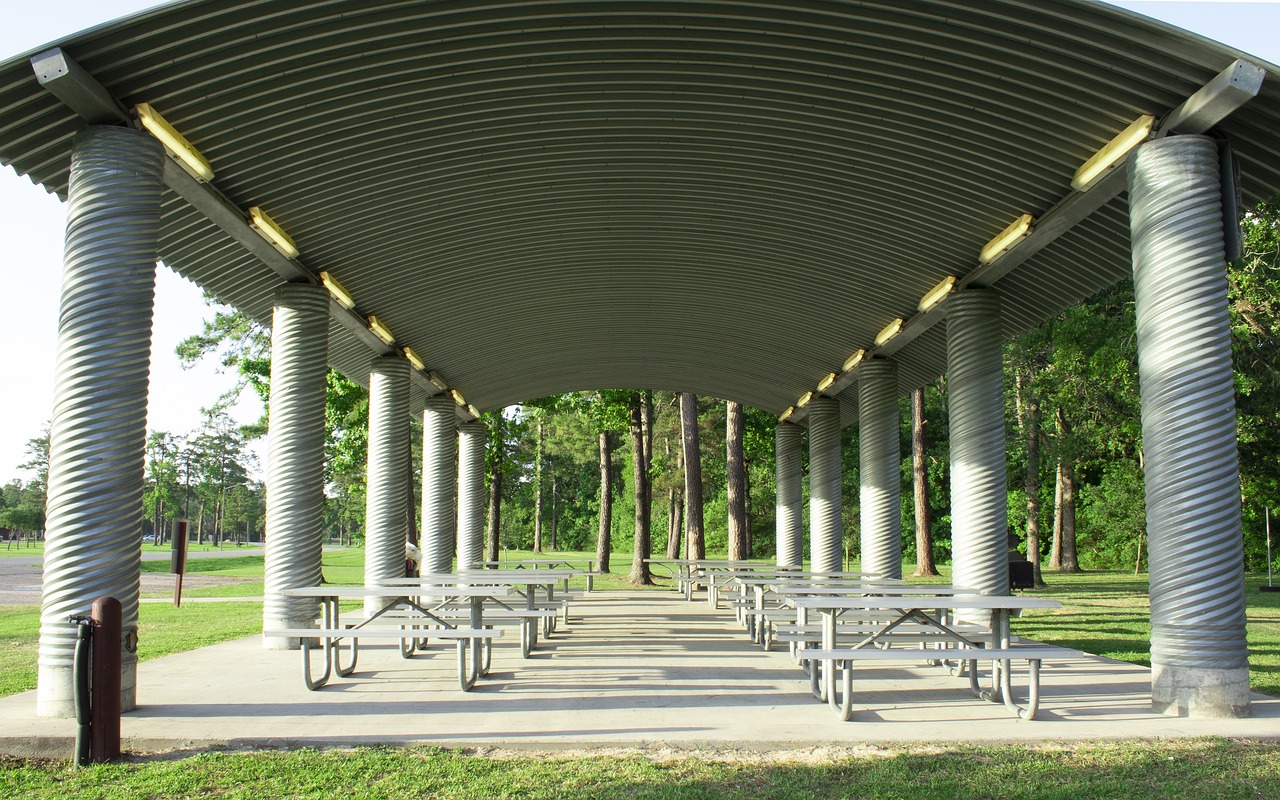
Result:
pixel 1215 101
pixel 77 89
pixel 71 83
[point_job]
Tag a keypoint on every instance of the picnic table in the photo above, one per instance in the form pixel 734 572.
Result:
pixel 536 612
pixel 552 562
pixel 924 619
pixel 414 621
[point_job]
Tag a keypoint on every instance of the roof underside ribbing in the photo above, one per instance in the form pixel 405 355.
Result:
pixel 722 197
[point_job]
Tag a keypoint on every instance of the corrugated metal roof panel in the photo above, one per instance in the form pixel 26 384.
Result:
pixel 725 197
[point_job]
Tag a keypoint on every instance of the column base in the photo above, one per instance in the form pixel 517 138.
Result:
pixel 55 692
pixel 1200 692
pixel 289 642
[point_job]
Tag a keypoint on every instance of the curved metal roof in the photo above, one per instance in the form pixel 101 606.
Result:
pixel 722 197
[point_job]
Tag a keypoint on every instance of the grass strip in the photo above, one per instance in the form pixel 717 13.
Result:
pixel 1174 770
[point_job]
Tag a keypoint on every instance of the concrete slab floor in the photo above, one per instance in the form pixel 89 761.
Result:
pixel 635 669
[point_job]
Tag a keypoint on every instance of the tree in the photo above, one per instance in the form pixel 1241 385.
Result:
pixel 695 543
pixel 1029 422
pixel 639 575
pixel 495 456
pixel 162 495
pixel 920 484
pixel 604 543
pixel 739 530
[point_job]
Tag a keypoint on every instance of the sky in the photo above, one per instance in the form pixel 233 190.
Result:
pixel 31 230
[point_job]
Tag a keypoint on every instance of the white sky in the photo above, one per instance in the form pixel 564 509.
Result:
pixel 31 229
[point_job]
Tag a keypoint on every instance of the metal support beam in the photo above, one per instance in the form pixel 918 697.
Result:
pixel 439 484
pixel 790 489
pixel 1199 655
pixel 979 511
pixel 1212 103
pixel 295 457
pixel 98 437
pixel 471 442
pixel 71 83
pixel 387 498
pixel 879 469
pixel 826 526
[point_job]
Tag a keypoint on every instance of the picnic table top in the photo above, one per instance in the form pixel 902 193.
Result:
pixel 388 591
pixel 901 602
pixel 889 589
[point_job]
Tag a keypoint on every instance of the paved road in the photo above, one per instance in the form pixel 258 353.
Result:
pixel 20 575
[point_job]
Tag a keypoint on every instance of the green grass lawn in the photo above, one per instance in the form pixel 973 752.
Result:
pixel 1174 770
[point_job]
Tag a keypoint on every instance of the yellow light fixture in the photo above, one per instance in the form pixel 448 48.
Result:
pixel 853 360
pixel 413 358
pixel 826 382
pixel 437 381
pixel 473 411
pixel 938 293
pixel 272 232
pixel 174 142
pixel 889 331
pixel 786 415
pixel 457 397
pixel 804 399
pixel 1113 152
pixel 381 331
pixel 338 291
pixel 1007 238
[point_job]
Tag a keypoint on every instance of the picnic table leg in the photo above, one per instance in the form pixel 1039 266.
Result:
pixel 829 665
pixel 315 683
pixel 334 621
pixel 478 655
pixel 549 623
pixel 327 648
pixel 802 619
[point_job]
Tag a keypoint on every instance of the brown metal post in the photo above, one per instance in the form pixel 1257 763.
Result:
pixel 178 559
pixel 104 703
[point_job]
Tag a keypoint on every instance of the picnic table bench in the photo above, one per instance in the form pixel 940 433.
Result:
pixel 470 640
pixel 926 618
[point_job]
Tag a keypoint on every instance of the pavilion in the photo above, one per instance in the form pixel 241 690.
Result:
pixel 809 206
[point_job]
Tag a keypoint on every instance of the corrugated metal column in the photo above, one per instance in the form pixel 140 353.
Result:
pixel 790 531
pixel 387 499
pixel 471 442
pixel 295 457
pixel 439 483
pixel 979 512
pixel 879 468
pixel 98 437
pixel 826 532
pixel 1199 656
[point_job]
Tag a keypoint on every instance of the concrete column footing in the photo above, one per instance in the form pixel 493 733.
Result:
pixel 1200 692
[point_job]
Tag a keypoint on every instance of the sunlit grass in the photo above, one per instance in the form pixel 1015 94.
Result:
pixel 1170 770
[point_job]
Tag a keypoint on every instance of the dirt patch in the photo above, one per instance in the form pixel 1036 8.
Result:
pixel 163 581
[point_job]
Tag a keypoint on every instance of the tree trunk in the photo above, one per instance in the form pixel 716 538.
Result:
pixel 1030 422
pixel 412 534
pixel 736 484
pixel 1055 547
pixel 639 568
pixel 604 541
pixel 537 491
pixel 646 423
pixel 554 509
pixel 677 509
pixel 1068 549
pixel 495 511
pixel 695 543
pixel 920 483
